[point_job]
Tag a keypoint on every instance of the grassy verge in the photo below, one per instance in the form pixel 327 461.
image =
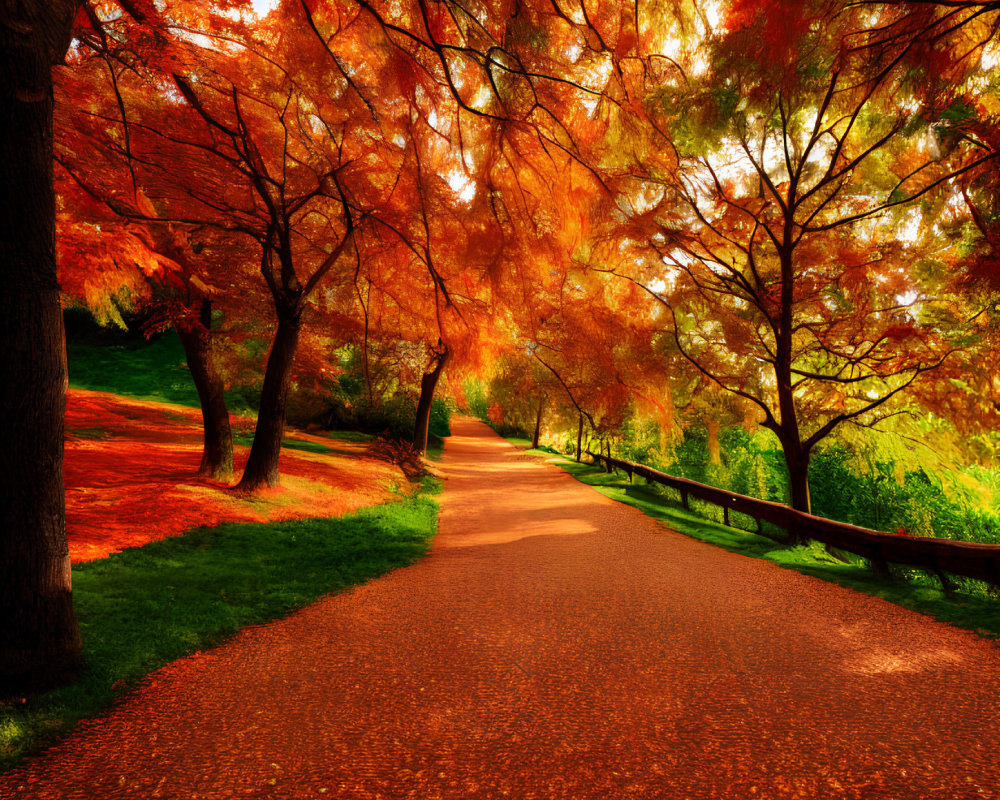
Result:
pixel 147 606
pixel 435 447
pixel 913 589
pixel 146 371
pixel 246 439
pixel 351 436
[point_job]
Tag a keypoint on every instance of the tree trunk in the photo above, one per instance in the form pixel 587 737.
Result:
pixel 39 638
pixel 796 457
pixel 579 439
pixel 217 454
pixel 798 485
pixel 538 422
pixel 428 384
pixel 262 466
pixel 714 453
pixel 798 482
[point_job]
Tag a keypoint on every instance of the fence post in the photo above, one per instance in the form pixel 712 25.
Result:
pixel 947 584
pixel 725 515
pixel 879 565
pixel 684 499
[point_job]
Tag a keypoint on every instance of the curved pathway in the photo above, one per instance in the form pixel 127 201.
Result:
pixel 556 644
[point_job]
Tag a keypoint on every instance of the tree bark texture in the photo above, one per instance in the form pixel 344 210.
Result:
pixel 538 422
pixel 262 465
pixel 428 385
pixel 39 638
pixel 796 456
pixel 798 478
pixel 579 440
pixel 714 452
pixel 217 454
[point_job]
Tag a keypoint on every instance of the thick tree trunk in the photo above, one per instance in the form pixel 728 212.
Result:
pixel 796 457
pixel 538 422
pixel 39 639
pixel 262 465
pixel 217 454
pixel 579 439
pixel 428 385
pixel 798 483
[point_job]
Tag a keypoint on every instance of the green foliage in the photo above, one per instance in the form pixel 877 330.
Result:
pixel 154 370
pixel 435 448
pixel 351 436
pixel 640 441
pixel 873 487
pixel 246 440
pixel 477 399
pixel 392 407
pixel 440 422
pixel 92 434
pixel 887 496
pixel 147 606
pixel 754 464
pixel 959 112
pixel 510 431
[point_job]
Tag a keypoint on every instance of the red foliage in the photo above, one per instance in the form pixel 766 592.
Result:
pixel 137 483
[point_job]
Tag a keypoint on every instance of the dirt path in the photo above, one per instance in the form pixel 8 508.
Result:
pixel 557 645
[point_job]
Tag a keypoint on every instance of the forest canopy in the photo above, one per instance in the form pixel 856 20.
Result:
pixel 784 213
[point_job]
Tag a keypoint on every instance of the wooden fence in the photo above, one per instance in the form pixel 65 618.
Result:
pixel 940 556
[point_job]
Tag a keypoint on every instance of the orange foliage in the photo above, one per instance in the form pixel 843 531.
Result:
pixel 138 485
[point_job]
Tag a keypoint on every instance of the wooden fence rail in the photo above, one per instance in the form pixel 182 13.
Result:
pixel 968 559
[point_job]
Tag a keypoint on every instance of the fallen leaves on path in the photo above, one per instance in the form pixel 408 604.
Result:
pixel 555 645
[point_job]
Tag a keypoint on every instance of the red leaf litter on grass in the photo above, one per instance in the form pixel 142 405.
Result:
pixel 131 467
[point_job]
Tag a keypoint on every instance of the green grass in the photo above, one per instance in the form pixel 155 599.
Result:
pixel 913 589
pixel 154 370
pixel 435 447
pixel 147 606
pixel 246 439
pixel 351 436
pixel 92 434
pixel 145 370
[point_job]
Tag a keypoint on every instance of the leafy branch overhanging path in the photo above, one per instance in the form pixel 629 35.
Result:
pixel 557 645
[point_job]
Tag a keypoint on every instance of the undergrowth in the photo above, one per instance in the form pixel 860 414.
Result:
pixel 147 606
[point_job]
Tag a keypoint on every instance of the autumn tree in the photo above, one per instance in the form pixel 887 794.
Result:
pixel 954 48
pixel 266 155
pixel 37 625
pixel 114 249
pixel 783 251
pixel 486 135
